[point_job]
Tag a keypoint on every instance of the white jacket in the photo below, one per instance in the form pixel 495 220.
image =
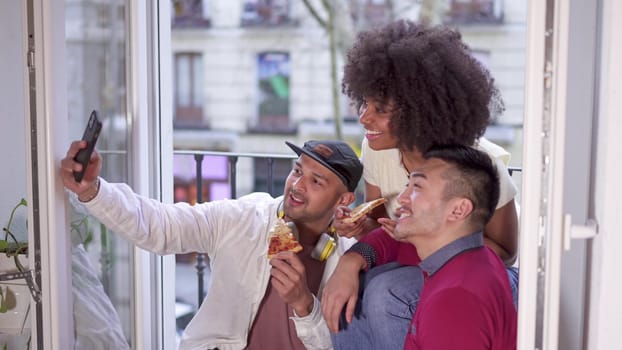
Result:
pixel 234 234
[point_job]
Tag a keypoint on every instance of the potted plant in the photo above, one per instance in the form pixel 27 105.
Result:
pixel 10 246
pixel 16 278
pixel 14 292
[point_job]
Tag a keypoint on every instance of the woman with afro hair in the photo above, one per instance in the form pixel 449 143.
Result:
pixel 415 87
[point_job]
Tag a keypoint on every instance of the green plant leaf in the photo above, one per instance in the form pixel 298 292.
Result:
pixel 3 308
pixel 3 245
pixel 10 299
pixel 88 239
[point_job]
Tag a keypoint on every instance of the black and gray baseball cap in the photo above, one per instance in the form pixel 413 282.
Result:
pixel 337 156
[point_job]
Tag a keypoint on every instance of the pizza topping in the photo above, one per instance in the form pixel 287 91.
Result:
pixel 363 209
pixel 281 239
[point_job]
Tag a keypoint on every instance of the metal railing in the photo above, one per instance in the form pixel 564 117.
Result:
pixel 232 162
pixel 513 169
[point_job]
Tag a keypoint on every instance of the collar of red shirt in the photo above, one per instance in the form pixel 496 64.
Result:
pixel 434 262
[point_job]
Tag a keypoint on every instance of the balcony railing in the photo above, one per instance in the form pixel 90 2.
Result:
pixel 513 169
pixel 232 171
pixel 232 161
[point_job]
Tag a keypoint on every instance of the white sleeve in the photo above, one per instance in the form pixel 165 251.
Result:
pixel 312 329
pixel 507 188
pixel 367 158
pixel 500 157
pixel 157 227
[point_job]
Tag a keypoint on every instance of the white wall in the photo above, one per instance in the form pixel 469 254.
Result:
pixel 12 113
pixel 229 71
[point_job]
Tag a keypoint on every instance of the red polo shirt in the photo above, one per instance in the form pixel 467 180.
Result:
pixel 466 301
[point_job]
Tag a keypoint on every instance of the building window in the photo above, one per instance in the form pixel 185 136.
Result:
pixel 265 13
pixel 273 69
pixel 190 13
pixel 188 71
pixel 370 13
pixel 474 12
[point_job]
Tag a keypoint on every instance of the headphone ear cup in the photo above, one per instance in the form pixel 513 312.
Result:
pixel 324 247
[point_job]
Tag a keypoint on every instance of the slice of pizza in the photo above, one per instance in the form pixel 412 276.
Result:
pixel 281 239
pixel 363 209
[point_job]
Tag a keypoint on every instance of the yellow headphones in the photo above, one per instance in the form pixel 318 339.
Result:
pixel 325 246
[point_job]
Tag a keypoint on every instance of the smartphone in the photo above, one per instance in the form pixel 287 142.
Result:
pixel 91 133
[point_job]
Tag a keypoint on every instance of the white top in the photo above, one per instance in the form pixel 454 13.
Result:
pixel 234 234
pixel 384 170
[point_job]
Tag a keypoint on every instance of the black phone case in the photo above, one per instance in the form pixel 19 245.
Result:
pixel 91 133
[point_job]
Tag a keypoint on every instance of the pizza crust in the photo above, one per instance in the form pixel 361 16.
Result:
pixel 363 209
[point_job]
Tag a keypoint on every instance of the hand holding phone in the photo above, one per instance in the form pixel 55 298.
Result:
pixel 91 133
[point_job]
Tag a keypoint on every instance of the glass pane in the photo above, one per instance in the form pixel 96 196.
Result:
pixel 183 79
pixel 280 168
pixel 188 89
pixel 261 86
pixel 197 81
pixel 96 79
pixel 190 13
pixel 214 186
pixel 265 12
pixel 474 12
pixel 15 311
pixel 273 83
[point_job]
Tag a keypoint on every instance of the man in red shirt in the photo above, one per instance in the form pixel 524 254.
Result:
pixel 465 301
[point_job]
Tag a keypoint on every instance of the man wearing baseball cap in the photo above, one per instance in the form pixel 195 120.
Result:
pixel 253 302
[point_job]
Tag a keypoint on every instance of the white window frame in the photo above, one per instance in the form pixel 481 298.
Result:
pixel 52 321
pixel 151 156
pixel 151 137
pixel 543 178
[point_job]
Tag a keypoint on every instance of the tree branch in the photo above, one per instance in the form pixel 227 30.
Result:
pixel 315 14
